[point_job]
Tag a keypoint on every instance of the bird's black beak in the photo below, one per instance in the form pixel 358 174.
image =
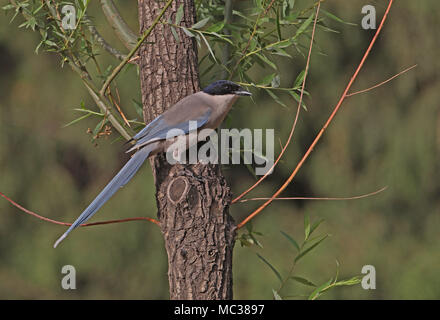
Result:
pixel 242 92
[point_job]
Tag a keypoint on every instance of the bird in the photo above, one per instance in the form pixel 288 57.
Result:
pixel 208 108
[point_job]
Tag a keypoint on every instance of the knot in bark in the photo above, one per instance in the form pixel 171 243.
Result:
pixel 177 189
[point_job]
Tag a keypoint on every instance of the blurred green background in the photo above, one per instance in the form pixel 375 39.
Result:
pixel 387 137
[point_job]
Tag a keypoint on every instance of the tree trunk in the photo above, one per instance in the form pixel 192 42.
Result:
pixel 192 200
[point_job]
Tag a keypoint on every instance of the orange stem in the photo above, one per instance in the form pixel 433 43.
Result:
pixel 318 137
pixel 382 83
pixel 320 198
pixel 69 224
pixel 296 115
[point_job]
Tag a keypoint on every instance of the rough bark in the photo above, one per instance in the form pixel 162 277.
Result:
pixel 192 200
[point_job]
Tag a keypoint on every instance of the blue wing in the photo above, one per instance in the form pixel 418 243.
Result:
pixel 160 129
pixel 124 175
pixel 177 117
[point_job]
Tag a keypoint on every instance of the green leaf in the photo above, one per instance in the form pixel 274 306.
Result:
pixel 208 46
pixel 77 120
pixel 279 45
pixel 333 17
pixel 318 291
pixel 337 271
pixel 299 79
pixel 276 296
pixel 306 226
pixel 282 53
pixel 99 126
pixel 216 27
pixel 81 4
pixel 263 20
pixel 271 267
pixel 332 283
pixel 303 281
pixel 241 15
pixel 297 98
pixel 179 14
pixel 188 33
pixel 39 8
pixel 258 243
pixel 38 46
pixel 278 24
pixel 304 25
pixel 349 282
pixel 50 43
pixel 327 29
pixel 245 240
pixel 302 254
pixel 276 98
pixel 291 240
pixel 24 24
pixel 8 7
pixel 174 33
pixel 266 60
pixel 292 17
pixel 316 225
pixel 291 4
pixel 17 11
pixel 89 111
pixel 222 37
pixel 200 24
pixel 267 79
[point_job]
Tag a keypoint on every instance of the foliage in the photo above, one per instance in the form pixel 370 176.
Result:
pixel 46 18
pixel 75 46
pixel 257 36
pixel 308 244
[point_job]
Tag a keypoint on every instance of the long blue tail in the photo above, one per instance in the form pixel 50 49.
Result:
pixel 124 175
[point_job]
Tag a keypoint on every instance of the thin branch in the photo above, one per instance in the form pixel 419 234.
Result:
pixel 103 106
pixel 260 86
pixel 321 198
pixel 85 77
pixel 118 107
pixel 382 83
pixel 296 115
pixel 69 224
pixel 133 51
pixel 133 59
pixel 318 137
pixel 122 30
pixel 104 44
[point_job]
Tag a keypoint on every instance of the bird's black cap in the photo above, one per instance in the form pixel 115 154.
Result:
pixel 222 87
